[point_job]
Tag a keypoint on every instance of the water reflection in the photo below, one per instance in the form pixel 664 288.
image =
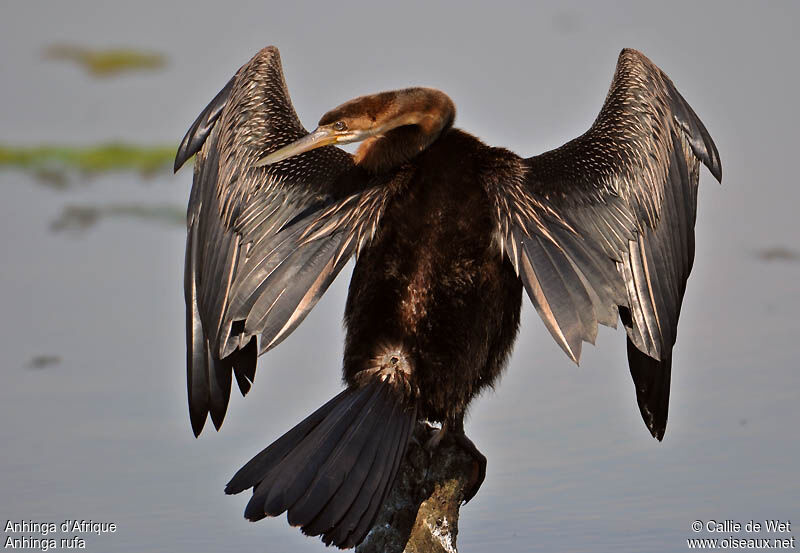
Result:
pixel 81 218
pixel 778 253
pixel 43 361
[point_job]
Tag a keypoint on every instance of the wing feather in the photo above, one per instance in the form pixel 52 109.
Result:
pixel 606 224
pixel 264 243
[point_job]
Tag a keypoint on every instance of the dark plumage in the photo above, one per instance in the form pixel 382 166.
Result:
pixel 447 231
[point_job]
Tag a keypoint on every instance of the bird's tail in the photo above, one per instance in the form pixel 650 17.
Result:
pixel 332 471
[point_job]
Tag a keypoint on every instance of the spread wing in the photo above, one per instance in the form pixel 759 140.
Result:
pixel 605 225
pixel 264 243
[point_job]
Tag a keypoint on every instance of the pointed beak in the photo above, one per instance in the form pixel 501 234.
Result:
pixel 322 136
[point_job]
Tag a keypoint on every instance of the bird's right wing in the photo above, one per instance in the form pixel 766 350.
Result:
pixel 264 243
pixel 607 221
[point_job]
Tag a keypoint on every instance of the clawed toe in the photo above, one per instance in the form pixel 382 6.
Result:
pixel 479 474
pixel 436 437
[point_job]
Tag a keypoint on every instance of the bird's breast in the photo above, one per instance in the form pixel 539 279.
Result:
pixel 430 273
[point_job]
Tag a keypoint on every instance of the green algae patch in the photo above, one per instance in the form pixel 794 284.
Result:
pixel 107 62
pixel 53 163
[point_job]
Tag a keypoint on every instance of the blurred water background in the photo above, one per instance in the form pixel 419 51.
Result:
pixel 92 402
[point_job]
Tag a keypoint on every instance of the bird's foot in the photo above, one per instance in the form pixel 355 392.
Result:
pixel 479 470
pixel 457 434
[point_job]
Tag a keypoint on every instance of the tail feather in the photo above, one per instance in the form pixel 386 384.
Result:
pixel 332 471
pixel 341 465
pixel 257 468
pixel 294 475
pixel 379 472
pixel 362 477
pixel 336 465
pixel 269 497
pixel 367 518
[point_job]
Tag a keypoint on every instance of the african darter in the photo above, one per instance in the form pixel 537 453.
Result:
pixel 446 231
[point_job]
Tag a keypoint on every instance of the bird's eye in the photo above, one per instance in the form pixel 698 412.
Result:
pixel 340 126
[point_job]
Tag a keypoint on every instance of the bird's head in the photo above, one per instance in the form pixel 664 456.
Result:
pixel 423 113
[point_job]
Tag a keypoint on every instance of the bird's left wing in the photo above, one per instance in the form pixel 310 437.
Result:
pixel 264 243
pixel 606 223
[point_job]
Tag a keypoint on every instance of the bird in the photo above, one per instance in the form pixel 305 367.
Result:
pixel 446 233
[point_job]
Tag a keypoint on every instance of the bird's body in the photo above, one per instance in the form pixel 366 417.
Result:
pixel 446 231
pixel 432 281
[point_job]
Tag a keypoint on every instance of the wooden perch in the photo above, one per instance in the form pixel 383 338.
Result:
pixel 420 514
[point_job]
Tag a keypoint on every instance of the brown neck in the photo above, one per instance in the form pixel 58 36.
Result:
pixel 414 119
